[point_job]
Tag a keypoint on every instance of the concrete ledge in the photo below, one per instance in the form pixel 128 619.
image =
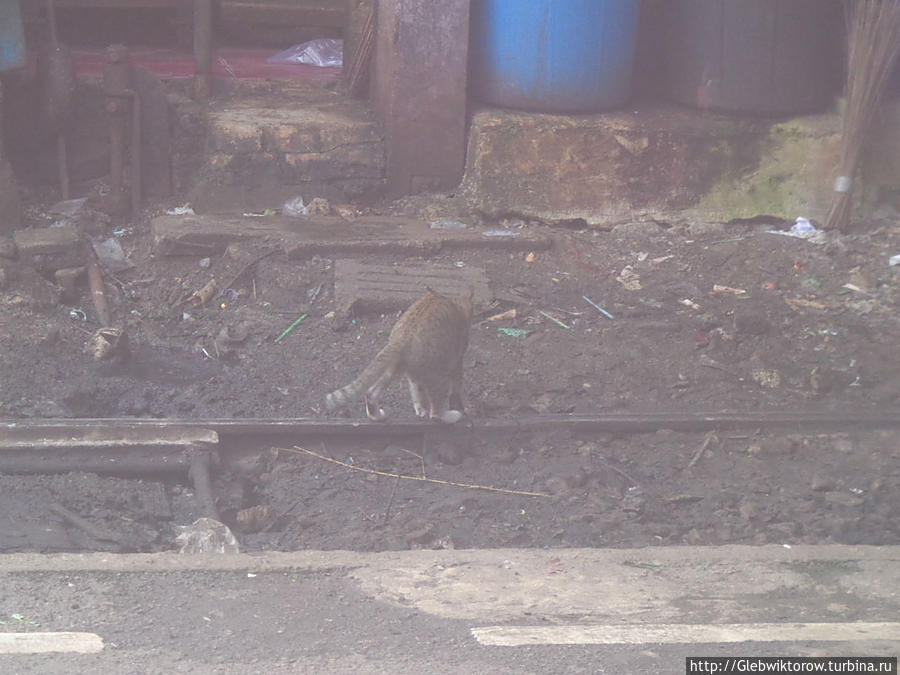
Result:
pixel 681 584
pixel 662 162
pixel 264 149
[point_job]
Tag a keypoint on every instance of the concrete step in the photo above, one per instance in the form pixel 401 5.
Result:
pixel 657 161
pixel 264 148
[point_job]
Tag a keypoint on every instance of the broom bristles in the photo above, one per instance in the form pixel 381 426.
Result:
pixel 873 42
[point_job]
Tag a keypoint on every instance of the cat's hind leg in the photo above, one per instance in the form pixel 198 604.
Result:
pixel 374 411
pixel 437 388
pixel 417 394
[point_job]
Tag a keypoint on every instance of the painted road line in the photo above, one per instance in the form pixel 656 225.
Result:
pixel 672 633
pixel 42 643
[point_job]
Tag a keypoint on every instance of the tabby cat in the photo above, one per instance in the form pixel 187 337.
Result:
pixel 426 345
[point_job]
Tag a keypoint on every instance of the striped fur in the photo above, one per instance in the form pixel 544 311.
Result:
pixel 426 345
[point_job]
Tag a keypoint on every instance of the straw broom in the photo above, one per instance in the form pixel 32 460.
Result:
pixel 873 43
pixel 361 60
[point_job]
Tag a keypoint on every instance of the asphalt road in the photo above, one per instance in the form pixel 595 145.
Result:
pixel 465 611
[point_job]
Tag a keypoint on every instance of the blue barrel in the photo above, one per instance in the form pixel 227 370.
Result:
pixel 553 55
pixel 12 37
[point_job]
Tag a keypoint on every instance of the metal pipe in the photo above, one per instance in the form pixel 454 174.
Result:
pixel 201 475
pixel 136 171
pixel 606 422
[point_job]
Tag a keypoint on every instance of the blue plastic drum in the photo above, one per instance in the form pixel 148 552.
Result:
pixel 553 55
pixel 12 37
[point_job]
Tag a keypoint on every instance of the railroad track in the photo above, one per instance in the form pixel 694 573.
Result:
pixel 149 445
pixel 190 448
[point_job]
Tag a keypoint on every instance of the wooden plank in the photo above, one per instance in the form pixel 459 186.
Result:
pixel 326 235
pixel 272 12
pixel 361 288
pixel 19 436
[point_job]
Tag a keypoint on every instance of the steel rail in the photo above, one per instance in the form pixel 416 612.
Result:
pixel 602 422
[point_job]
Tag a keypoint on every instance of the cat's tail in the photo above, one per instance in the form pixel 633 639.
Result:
pixel 377 375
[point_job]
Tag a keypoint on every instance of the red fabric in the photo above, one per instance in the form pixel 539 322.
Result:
pixel 170 64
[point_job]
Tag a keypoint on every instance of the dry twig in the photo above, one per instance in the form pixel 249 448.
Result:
pixel 469 486
pixel 710 437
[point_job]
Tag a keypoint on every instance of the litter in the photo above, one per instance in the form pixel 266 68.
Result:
pixel 794 303
pixel 555 320
pixel 856 289
pixel 183 210
pixel 313 292
pixel 206 535
pixel 530 257
pixel 802 229
pixel 290 328
pixel 768 378
pixel 513 332
pixel 67 208
pixel 500 233
pixel 448 225
pixel 508 314
pixel 111 254
pixel 597 307
pixel 295 208
pixel 894 260
pixel 717 288
pixel 324 52
pixel 202 295
pixel 629 279
pixel 687 302
pixel 78 314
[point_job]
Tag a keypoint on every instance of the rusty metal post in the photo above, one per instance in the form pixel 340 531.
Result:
pixel 122 103
pixel 203 38
pixel 117 87
pixel 136 172
pixel 419 91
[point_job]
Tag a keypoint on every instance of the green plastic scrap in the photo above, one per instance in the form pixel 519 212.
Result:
pixel 289 329
pixel 513 332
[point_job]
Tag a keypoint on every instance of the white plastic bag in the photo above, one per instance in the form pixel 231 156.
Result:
pixel 325 52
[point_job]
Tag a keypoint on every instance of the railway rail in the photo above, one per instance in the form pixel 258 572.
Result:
pixel 160 446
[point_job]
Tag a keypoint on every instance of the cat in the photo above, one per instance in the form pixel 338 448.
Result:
pixel 426 345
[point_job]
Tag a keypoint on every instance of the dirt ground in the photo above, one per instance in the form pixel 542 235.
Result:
pixel 700 317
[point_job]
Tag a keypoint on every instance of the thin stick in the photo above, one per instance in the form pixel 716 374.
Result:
pixel 706 441
pixel 95 532
pixel 387 511
pixel 619 471
pixel 555 320
pixel 244 270
pixel 298 449
pixel 416 454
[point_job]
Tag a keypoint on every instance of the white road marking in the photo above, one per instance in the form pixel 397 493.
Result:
pixel 42 643
pixel 672 633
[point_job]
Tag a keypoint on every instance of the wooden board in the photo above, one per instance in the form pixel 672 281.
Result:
pixel 361 288
pixel 325 235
